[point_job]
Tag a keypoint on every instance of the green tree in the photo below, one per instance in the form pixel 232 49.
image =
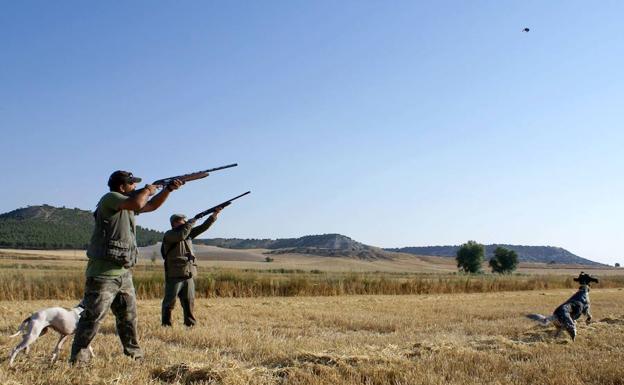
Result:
pixel 504 261
pixel 470 256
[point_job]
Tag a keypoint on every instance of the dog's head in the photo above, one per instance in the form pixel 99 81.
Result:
pixel 585 279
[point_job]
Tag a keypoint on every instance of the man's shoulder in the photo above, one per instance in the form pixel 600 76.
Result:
pixel 176 232
pixel 110 202
pixel 113 195
pixel 170 232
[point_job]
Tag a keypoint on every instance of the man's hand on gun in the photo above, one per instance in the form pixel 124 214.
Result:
pixel 176 184
pixel 152 188
pixel 216 213
pixel 213 216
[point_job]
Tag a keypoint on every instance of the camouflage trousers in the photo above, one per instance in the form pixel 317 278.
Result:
pixel 103 293
pixel 183 288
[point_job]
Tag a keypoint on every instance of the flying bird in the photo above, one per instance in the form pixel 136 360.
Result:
pixel 526 30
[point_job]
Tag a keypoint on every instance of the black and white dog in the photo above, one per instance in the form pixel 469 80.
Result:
pixel 565 316
pixel 62 320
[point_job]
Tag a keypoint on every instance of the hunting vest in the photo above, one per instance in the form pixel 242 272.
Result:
pixel 177 251
pixel 114 238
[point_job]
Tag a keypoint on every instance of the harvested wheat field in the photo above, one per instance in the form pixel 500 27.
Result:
pixel 426 339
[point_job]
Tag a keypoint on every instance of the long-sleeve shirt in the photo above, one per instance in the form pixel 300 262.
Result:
pixel 177 248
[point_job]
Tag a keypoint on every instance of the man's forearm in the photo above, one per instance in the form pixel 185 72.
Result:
pixel 160 198
pixel 137 202
pixel 201 228
pixel 156 201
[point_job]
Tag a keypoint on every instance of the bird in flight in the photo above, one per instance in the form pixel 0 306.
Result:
pixel 526 30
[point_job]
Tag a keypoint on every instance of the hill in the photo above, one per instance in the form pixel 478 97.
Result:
pixel 328 245
pixel 49 227
pixel 544 254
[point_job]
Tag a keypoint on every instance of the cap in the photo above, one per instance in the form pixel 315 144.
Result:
pixel 119 177
pixel 175 217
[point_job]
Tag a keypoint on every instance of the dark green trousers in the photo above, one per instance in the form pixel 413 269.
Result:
pixel 103 293
pixel 183 288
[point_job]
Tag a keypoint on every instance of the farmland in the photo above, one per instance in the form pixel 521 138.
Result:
pixel 285 322
pixel 426 339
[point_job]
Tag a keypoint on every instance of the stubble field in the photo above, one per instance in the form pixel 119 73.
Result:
pixel 479 338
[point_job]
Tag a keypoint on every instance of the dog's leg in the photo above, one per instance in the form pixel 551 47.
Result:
pixel 588 314
pixel 59 346
pixel 558 331
pixel 28 339
pixel 571 329
pixel 12 355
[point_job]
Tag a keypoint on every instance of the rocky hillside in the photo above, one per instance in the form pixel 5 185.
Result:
pixel 330 245
pixel 544 254
pixel 49 227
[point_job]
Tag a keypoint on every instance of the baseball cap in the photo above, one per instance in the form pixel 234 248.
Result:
pixel 119 177
pixel 175 217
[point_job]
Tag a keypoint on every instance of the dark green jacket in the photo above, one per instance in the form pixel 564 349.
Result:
pixel 177 249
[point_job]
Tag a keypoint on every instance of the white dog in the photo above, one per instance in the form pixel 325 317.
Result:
pixel 62 320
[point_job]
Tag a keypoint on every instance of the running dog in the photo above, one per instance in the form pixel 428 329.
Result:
pixel 565 316
pixel 62 320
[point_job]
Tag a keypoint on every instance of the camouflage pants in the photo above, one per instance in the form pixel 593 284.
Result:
pixel 101 294
pixel 565 321
pixel 185 290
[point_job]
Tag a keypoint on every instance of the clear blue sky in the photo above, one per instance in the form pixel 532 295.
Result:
pixel 395 123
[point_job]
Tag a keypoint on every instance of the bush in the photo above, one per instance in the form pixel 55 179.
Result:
pixel 268 259
pixel 470 256
pixel 504 261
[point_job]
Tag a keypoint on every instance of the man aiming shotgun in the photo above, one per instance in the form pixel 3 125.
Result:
pixel 180 267
pixel 112 253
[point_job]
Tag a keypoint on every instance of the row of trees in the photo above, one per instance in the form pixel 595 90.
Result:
pixel 34 234
pixel 471 254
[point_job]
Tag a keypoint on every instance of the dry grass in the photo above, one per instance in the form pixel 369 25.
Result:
pixel 302 329
pixel 428 339
pixel 29 282
pixel 60 275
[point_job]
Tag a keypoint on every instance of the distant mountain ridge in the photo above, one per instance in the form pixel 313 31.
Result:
pixel 49 227
pixel 329 245
pixel 544 254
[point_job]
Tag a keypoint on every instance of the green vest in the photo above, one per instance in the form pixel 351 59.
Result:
pixel 114 238
pixel 177 251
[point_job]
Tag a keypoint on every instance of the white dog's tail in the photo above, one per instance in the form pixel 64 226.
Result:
pixel 541 319
pixel 20 329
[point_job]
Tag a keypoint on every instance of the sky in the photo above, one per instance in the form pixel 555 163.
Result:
pixel 403 123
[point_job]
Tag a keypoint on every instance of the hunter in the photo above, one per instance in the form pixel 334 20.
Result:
pixel 180 267
pixel 112 252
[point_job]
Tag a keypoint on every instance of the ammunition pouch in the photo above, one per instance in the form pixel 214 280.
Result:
pixel 182 266
pixel 122 253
